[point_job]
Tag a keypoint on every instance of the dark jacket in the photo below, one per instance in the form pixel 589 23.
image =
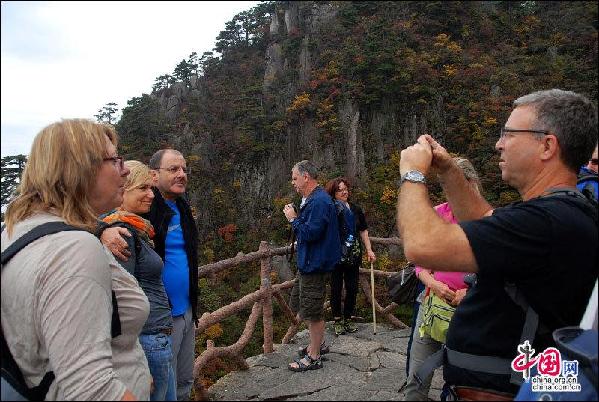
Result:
pixel 317 233
pixel 160 215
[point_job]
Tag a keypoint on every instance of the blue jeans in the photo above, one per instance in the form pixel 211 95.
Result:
pixel 158 350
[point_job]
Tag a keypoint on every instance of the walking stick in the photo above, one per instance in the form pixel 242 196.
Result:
pixel 372 294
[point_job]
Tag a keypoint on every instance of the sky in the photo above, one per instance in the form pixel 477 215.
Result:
pixel 69 59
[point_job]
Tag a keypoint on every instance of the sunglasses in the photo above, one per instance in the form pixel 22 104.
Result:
pixel 594 161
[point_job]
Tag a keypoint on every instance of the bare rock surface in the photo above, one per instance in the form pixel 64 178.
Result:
pixel 360 366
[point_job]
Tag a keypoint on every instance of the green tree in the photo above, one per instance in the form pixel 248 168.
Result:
pixel 141 127
pixel 162 82
pixel 246 28
pixel 184 71
pixel 107 114
pixel 12 168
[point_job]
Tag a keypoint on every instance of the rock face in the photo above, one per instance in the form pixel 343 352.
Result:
pixel 360 366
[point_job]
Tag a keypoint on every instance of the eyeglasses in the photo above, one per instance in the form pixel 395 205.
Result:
pixel 115 160
pixel 505 131
pixel 594 161
pixel 339 190
pixel 175 169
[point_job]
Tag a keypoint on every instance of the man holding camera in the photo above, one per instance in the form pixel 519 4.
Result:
pixel 544 247
pixel 318 250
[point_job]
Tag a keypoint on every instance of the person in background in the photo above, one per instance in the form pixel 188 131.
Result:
pixel 545 244
pixel 176 242
pixel 348 270
pixel 318 250
pixel 587 176
pixel 448 286
pixel 57 296
pixel 146 265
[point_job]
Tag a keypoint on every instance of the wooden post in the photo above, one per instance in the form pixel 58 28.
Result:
pixel 267 299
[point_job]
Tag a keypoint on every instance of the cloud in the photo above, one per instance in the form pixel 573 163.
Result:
pixel 68 59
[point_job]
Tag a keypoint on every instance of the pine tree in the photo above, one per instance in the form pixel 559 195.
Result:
pixel 107 114
pixel 12 168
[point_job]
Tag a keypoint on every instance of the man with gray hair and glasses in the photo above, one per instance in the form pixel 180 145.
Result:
pixel 529 256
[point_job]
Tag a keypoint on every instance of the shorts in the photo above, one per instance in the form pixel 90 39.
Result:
pixel 308 295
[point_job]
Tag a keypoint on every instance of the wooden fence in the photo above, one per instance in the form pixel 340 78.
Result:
pixel 262 304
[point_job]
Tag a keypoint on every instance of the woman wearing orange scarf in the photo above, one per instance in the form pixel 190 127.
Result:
pixel 146 266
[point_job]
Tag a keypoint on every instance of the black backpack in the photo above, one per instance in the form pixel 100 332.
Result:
pixel 11 373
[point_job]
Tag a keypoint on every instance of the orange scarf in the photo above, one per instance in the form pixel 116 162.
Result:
pixel 143 226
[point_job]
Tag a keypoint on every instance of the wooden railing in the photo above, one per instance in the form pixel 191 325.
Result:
pixel 261 301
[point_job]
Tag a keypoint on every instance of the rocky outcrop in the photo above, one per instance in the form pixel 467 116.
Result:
pixel 361 366
pixel 350 116
pixel 274 65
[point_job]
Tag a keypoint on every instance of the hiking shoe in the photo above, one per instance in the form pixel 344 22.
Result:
pixel 339 327
pixel 324 349
pixel 306 363
pixel 349 326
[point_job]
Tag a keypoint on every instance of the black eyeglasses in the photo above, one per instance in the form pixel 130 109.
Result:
pixel 175 169
pixel 505 130
pixel 115 160
pixel 594 161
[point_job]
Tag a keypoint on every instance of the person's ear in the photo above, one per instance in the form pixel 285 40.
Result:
pixel 550 146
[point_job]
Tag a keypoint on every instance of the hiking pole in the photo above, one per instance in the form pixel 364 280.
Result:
pixel 372 295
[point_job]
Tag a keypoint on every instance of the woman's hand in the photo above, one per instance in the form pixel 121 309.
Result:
pixel 443 291
pixel 459 295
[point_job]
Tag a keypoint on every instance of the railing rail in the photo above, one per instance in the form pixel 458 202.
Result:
pixel 261 301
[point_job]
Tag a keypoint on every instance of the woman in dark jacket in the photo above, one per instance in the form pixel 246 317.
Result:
pixel 348 269
pixel 146 266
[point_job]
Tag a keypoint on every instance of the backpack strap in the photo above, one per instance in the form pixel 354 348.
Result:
pixel 9 365
pixel 531 322
pixel 33 235
pixel 587 195
pixel 341 223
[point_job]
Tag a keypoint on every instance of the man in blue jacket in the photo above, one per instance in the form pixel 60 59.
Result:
pixel 318 250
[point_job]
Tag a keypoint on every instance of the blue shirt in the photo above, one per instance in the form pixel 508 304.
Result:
pixel 175 274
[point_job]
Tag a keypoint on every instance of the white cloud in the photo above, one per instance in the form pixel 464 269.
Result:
pixel 68 59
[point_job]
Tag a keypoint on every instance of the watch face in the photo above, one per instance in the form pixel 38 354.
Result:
pixel 415 176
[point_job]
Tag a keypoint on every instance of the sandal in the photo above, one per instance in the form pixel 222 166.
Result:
pixel 313 364
pixel 324 349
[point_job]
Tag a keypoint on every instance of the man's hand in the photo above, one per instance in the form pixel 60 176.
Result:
pixel 289 212
pixel 416 157
pixel 371 256
pixel 113 240
pixel 441 159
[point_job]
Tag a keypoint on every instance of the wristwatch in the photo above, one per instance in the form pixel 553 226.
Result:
pixel 414 176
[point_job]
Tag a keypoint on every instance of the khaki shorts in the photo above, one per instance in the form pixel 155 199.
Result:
pixel 308 295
